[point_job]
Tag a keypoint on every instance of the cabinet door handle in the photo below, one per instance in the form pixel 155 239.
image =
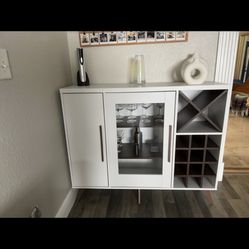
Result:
pixel 169 142
pixel 101 143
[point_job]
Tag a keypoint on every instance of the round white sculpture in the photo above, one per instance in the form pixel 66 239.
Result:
pixel 194 70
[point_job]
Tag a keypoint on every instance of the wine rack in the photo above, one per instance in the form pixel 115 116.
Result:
pixel 196 161
pixel 201 111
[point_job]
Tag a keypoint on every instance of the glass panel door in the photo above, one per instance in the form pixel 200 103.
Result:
pixel 139 138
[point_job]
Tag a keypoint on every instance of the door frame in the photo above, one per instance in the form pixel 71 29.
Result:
pixel 224 73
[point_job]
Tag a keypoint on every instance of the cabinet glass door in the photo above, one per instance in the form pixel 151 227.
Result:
pixel 140 127
pixel 140 138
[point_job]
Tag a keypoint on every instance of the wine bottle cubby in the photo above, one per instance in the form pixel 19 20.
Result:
pixel 196 161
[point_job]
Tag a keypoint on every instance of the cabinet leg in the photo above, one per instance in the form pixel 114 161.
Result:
pixel 139 196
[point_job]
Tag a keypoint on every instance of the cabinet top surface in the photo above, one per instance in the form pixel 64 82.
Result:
pixel 129 87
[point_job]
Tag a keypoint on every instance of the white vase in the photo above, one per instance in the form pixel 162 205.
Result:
pixel 194 70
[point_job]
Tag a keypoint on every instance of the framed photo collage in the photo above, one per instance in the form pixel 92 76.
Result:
pixel 102 38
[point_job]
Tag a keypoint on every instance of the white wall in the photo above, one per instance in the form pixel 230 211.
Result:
pixel 110 64
pixel 33 160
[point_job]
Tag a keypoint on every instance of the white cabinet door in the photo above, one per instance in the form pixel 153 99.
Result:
pixel 85 133
pixel 145 164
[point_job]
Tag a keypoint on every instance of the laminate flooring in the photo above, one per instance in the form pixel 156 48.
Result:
pixel 230 200
pixel 237 143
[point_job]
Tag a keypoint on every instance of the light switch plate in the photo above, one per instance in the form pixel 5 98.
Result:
pixel 5 73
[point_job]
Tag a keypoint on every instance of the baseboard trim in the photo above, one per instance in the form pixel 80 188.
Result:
pixel 238 170
pixel 220 172
pixel 67 204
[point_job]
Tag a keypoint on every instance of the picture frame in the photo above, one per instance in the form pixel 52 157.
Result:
pixel 94 38
pixel 170 36
pixel 180 36
pixel 150 36
pixel 160 36
pixel 84 39
pixel 114 38
pixel 141 36
pixel 103 38
pixel 131 37
pixel 121 37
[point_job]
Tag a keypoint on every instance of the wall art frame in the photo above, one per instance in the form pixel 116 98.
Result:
pixel 114 38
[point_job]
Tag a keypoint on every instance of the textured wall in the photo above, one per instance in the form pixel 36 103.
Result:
pixel 110 64
pixel 33 165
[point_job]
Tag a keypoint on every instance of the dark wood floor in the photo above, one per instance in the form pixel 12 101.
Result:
pixel 230 200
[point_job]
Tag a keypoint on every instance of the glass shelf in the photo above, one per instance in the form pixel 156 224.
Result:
pixel 128 151
pixel 152 121
pixel 140 167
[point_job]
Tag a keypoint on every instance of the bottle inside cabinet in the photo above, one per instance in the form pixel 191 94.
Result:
pixel 138 139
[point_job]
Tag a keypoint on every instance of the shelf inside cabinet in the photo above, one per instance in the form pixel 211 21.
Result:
pixel 195 142
pixel 128 151
pixel 198 127
pixel 194 170
pixel 207 182
pixel 140 167
pixel 139 171
pixel 153 122
pixel 185 182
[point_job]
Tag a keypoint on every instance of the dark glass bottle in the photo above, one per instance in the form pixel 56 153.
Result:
pixel 138 141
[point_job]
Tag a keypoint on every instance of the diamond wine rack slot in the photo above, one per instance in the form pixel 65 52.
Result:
pixel 203 112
